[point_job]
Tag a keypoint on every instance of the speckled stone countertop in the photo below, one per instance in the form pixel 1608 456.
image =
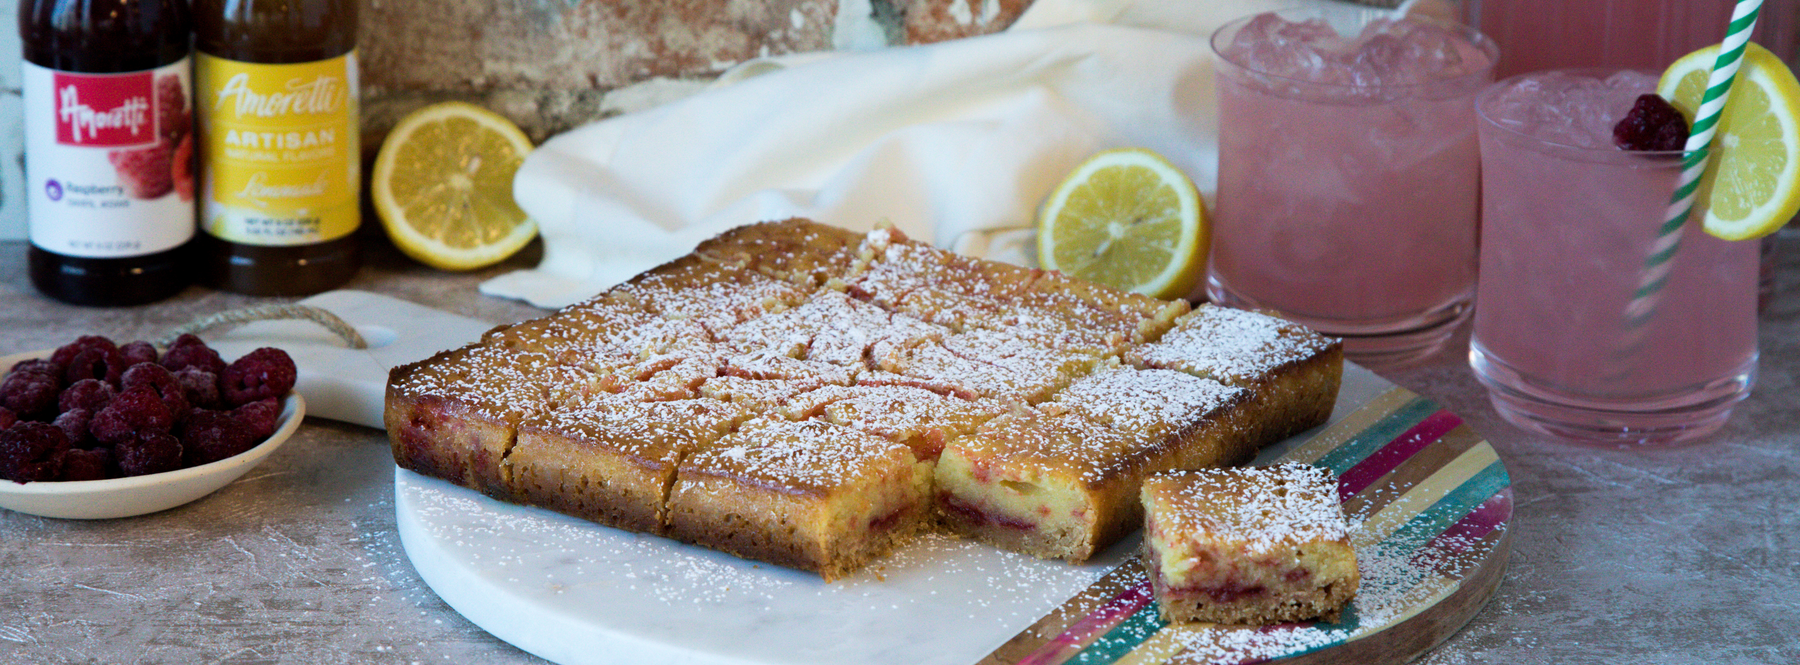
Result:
pixel 1675 556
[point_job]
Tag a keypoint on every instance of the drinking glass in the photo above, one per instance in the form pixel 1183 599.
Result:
pixel 1568 224
pixel 1348 174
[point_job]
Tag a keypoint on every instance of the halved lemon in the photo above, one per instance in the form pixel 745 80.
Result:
pixel 1129 219
pixel 443 186
pixel 1752 181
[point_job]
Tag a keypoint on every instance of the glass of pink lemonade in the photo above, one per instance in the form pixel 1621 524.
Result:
pixel 1620 34
pixel 1568 221
pixel 1348 174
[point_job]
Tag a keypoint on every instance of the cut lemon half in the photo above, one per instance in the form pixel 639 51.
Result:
pixel 443 186
pixel 1129 219
pixel 1752 181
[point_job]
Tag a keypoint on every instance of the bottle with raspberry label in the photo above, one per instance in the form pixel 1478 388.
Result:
pixel 276 97
pixel 109 148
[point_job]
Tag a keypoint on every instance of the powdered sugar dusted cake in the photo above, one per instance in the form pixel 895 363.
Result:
pixel 1291 371
pixel 1248 545
pixel 1060 480
pixel 807 494
pixel 809 396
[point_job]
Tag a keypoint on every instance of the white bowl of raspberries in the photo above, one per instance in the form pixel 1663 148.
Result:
pixel 96 430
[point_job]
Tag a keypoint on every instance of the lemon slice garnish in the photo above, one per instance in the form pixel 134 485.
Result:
pixel 443 186
pixel 1129 219
pixel 1752 181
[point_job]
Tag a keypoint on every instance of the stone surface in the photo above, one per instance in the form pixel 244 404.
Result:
pixel 1671 556
pixel 478 45
pixel 929 21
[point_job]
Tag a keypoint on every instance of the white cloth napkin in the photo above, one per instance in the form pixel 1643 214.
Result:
pixel 941 140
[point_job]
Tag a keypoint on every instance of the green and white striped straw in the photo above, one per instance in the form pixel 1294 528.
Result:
pixel 1655 275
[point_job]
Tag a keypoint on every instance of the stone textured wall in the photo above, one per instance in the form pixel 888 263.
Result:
pixel 553 64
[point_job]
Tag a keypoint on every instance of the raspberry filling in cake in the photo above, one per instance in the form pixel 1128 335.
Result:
pixel 1248 545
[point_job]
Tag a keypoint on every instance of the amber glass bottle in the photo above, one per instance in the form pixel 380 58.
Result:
pixel 110 181
pixel 276 91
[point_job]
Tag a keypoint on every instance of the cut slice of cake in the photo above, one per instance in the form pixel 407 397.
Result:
pixel 920 419
pixel 1201 420
pixel 611 459
pixel 1020 351
pixel 674 372
pixel 762 396
pixel 1292 372
pixel 455 415
pixel 715 295
pixel 577 326
pixel 932 366
pixel 1248 545
pixel 898 268
pixel 1052 486
pixel 830 327
pixel 799 251
pixel 810 495
pixel 1053 482
pixel 1135 316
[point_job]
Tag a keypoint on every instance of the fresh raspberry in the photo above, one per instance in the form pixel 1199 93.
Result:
pixel 40 365
pixel 150 452
pixel 209 436
pixel 172 107
pixel 259 418
pixel 133 413
pixel 160 380
pixel 31 451
pixel 82 464
pixel 260 374
pixel 96 363
pixel 29 395
pixel 7 418
pixel 189 351
pixel 138 352
pixel 181 168
pixel 66 353
pixel 145 171
pixel 200 386
pixel 75 424
pixel 186 339
pixel 1652 124
pixel 90 394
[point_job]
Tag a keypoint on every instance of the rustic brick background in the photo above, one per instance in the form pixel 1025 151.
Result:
pixel 930 21
pixel 554 64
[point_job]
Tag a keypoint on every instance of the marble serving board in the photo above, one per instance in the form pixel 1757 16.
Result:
pixel 1432 498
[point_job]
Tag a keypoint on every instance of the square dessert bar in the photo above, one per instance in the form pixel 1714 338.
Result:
pixel 1248 545
pixel 1060 480
pixel 611 459
pixel 810 494
pixel 456 414
pixel 798 251
pixel 1291 371
pixel 809 396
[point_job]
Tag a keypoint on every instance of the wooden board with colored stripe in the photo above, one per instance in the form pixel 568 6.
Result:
pixel 1432 501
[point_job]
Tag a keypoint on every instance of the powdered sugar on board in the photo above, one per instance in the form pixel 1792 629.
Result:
pixel 573 592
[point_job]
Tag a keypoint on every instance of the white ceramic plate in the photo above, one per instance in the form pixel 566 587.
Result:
pixel 140 495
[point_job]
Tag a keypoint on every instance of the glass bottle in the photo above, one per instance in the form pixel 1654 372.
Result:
pixel 276 83
pixel 109 148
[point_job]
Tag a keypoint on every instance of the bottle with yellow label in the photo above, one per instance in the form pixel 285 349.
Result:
pixel 275 86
